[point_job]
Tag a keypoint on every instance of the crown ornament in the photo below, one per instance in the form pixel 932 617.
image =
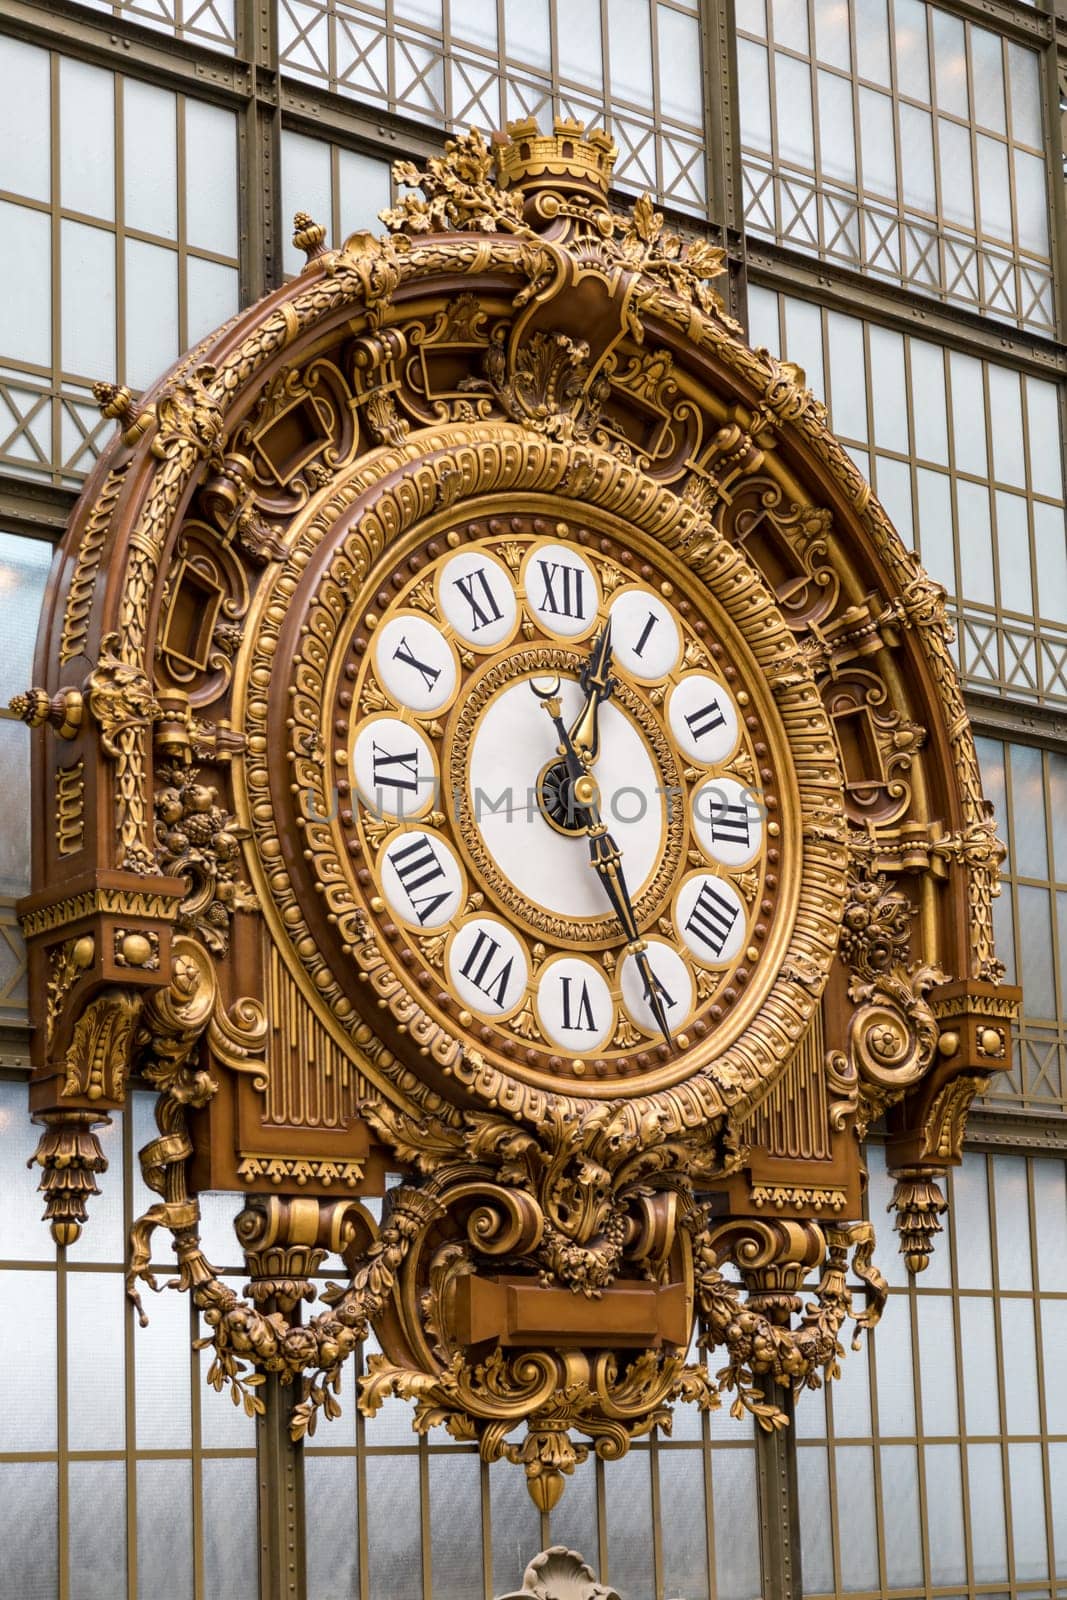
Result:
pixel 526 157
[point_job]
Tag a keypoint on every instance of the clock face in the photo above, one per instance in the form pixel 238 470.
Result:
pixel 564 800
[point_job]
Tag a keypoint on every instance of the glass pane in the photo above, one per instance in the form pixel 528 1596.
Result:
pixel 879 144
pixel 793 92
pixel 894 1372
pixel 516 1528
pixel 15 834
pixel 950 64
pixel 1054 1343
pixel 1042 415
pixel 28 1371
pixel 872 41
pixel 1029 1538
pixel 25 132
pixel 29 1504
pixel 1028 812
pixel 856 1520
pixel 888 390
pixel 87 164
pixel 988 69
pixel 681 78
pixel 944 1514
pixel 1013 1221
pixel 913 75
pixel 97 1529
pixel 937 1364
pixel 1020 1368
pixel 790 25
pixel 230 1534
pixel 211 178
pixel 151 312
pixel 88 276
pixel 1025 95
pixel 1031 202
pixel 763 319
pixel 628 1493
pixel 917 158
pixel 894 491
pixel 574 1522
pixel 578 42
pixel 1013 552
pixel 527 30
pixel 150 155
pixel 994 193
pixel 1035 954
pixel 26 304
pixel 837 139
pixel 928 400
pixel 455 1526
pixel 1050 1216
pixel 754 95
pixel 988 1542
pixel 96 1361
pixel 832 33
pixel 976 542
pixel 364 191
pixel 848 394
pixel 970 1204
pixel 737 1557
pixel 803 341
pixel 936 544
pixel 815 1545
pixel 332 1526
pixel 683 1530
pixel 161 1374
pixel 954 155
pixel 306 186
pixel 968 414
pixel 1051 550
pixel 978 1359
pixel 213 295
pixel 24 566
pixel 164 1530
pixel 900 1510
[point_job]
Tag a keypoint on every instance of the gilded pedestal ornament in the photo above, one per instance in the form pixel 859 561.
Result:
pixel 513 752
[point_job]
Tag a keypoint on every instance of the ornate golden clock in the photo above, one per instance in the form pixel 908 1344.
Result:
pixel 500 742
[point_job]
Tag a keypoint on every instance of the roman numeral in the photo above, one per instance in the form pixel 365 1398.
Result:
pixel 430 674
pixel 705 720
pixel 730 825
pixel 563 589
pixel 646 630
pixel 475 589
pixel 395 771
pixel 416 865
pixel 584 1010
pixel 712 918
pixel 477 967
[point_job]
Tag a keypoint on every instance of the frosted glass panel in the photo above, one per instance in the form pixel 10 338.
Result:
pixel 988 1541
pixel 25 136
pixel 15 836
pixel 230 1535
pixel 28 1317
pixel 856 1517
pixel 28 1504
pixel 331 1521
pixel 944 1511
pixel 151 159
pixel 26 304
pixel 900 1510
pixel 87 165
pixel 88 279
pixel 837 139
pixel 683 1529
pixel 24 566
pixel 97 1529
pixel 364 191
pixel 151 312
pixel 164 1530
pixel 978 1340
pixel 793 92
pixel 213 296
pixel 737 1559
pixel 1013 1214
pixel 754 95
pixel 211 177
pixel 628 1488
pixel 455 1526
pixel 988 69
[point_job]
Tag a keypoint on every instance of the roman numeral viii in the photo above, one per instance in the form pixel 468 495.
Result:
pixel 417 867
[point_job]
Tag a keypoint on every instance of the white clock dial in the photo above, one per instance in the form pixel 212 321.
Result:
pixel 561 590
pixel 710 917
pixel 674 980
pixel 728 821
pixel 421 879
pixel 476 597
pixel 415 665
pixel 574 1004
pixel 703 718
pixel 394 769
pixel 645 639
pixel 488 968
pixel 512 745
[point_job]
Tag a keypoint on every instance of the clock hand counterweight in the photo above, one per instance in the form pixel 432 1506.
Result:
pixel 604 854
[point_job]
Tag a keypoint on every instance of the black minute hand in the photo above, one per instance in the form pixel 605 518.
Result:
pixel 605 856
